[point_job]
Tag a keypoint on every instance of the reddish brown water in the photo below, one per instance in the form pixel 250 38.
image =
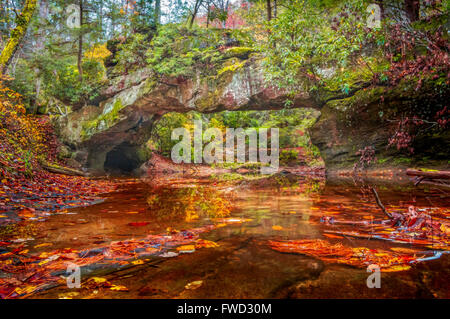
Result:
pixel 244 265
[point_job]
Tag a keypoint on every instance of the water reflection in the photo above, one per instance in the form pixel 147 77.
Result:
pixel 188 203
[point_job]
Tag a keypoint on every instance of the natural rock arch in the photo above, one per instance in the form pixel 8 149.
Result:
pixel 120 126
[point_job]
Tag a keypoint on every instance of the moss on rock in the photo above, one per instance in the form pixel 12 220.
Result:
pixel 239 52
pixel 105 120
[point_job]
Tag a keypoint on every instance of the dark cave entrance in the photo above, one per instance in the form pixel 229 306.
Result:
pixel 122 159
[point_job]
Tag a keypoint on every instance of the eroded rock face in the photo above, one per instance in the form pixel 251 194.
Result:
pixel 122 123
pixel 370 118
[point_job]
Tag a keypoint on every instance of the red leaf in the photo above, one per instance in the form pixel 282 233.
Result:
pixel 138 224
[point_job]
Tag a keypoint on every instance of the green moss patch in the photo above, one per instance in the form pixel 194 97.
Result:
pixel 108 119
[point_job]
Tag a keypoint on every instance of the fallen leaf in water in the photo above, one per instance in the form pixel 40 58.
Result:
pixel 332 212
pixel 332 236
pixel 445 229
pixel 25 290
pixel 132 212
pixel 194 284
pixel 232 220
pixel 8 262
pixel 68 295
pixel 403 250
pixel 49 259
pixel 277 227
pixel 186 248
pixel 171 230
pixel 137 262
pixel 43 245
pixel 292 212
pixel 396 268
pixel 138 224
pixel 26 213
pixel 97 280
pixel 118 288
pixel 202 243
pixel 169 254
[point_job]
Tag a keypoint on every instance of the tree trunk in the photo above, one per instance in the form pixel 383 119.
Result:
pixel 80 45
pixel 207 15
pixel 194 14
pixel 37 88
pixel 412 9
pixel 17 35
pixel 381 4
pixel 224 23
pixel 40 39
pixel 275 8
pixel 157 12
pixel 100 19
pixel 269 11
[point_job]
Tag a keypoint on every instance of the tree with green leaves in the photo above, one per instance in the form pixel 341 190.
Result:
pixel 312 46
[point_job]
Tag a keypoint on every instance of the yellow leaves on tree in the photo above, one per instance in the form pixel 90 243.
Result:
pixel 97 53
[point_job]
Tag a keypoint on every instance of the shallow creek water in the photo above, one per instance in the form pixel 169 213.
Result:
pixel 243 265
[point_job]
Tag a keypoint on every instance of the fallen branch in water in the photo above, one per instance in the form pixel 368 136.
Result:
pixel 429 174
pixel 397 219
pixel 425 176
pixel 380 204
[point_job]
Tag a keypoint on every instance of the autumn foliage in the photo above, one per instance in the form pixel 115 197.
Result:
pixel 22 136
pixel 26 141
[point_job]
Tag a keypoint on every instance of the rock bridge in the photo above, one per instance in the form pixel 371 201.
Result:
pixel 113 134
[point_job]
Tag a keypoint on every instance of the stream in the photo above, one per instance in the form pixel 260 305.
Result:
pixel 241 217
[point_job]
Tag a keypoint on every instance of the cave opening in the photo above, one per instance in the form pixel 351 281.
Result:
pixel 122 159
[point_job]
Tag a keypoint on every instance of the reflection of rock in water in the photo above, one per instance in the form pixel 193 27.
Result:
pixel 285 179
pixel 188 203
